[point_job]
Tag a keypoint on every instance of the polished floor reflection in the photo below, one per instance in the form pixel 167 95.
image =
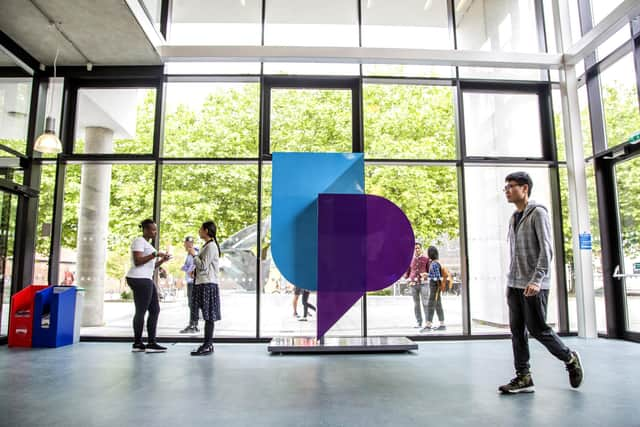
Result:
pixel 442 384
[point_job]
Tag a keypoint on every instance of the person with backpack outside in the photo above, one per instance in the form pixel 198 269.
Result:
pixel 435 291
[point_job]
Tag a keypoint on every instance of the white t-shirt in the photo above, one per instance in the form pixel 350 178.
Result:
pixel 144 271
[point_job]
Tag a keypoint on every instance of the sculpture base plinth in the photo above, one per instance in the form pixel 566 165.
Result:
pixel 285 345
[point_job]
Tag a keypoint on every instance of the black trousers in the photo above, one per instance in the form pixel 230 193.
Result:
pixel 530 314
pixel 306 304
pixel 193 314
pixel 145 297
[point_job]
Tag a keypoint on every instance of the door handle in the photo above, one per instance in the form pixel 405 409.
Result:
pixel 617 275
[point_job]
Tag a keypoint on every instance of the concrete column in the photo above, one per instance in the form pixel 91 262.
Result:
pixel 578 200
pixel 93 226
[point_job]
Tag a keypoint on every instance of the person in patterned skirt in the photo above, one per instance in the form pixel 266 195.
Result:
pixel 206 295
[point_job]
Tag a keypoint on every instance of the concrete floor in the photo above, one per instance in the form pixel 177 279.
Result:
pixel 443 384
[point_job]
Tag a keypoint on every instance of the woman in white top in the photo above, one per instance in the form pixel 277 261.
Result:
pixel 145 259
pixel 206 295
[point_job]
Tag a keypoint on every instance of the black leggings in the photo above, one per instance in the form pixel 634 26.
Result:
pixel 208 332
pixel 145 297
pixel 306 304
pixel 435 301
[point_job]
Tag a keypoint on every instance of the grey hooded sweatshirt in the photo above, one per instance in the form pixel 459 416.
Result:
pixel 530 248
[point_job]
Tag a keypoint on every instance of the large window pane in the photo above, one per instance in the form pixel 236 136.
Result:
pixel 498 26
pixel 415 25
pixel 502 124
pixel 620 101
pixel 317 69
pixel 8 208
pixel 103 206
pixel 429 197
pixel 45 220
pixel 277 308
pixel 409 121
pixel 211 120
pixel 216 22
pixel 311 23
pixel 115 121
pixel 226 194
pixel 488 215
pixel 596 252
pixel 15 100
pixel 311 120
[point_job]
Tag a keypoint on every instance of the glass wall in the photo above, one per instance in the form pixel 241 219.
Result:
pixel 115 121
pixel 211 120
pixel 429 197
pixel 488 215
pixel 15 101
pixel 226 194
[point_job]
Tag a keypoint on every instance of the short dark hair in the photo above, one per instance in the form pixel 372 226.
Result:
pixel 432 252
pixel 188 239
pixel 521 178
pixel 146 223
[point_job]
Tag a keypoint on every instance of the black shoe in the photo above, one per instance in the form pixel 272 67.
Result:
pixel 188 330
pixel 576 372
pixel 520 384
pixel 203 350
pixel 440 328
pixel 302 319
pixel 195 328
pixel 138 347
pixel 154 347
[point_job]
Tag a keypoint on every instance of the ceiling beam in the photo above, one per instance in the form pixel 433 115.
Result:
pixel 359 55
pixel 618 18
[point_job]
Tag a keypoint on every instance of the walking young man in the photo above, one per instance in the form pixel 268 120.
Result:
pixel 528 285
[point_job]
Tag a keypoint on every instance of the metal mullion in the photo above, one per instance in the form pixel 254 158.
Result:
pixel 158 123
pixel 209 160
pixel 212 78
pixel 418 81
pixel 462 209
pixel 412 162
pixel 542 32
pixel 107 158
pixel 610 247
pixel 559 259
pixel 263 147
pixel 635 34
pixel 165 18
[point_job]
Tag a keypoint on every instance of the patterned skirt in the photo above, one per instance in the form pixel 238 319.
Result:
pixel 206 297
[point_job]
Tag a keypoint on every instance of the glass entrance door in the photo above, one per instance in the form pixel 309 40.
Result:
pixel 8 206
pixel 628 270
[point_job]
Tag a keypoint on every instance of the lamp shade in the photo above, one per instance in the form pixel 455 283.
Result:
pixel 48 142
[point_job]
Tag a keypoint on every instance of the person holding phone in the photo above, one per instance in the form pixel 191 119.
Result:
pixel 145 259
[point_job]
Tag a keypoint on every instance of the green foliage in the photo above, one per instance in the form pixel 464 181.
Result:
pixel 126 295
pixel 411 122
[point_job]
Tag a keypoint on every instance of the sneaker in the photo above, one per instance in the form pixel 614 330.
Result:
pixel 154 347
pixel 203 350
pixel 419 325
pixel 426 329
pixel 138 347
pixel 188 330
pixel 302 319
pixel 575 370
pixel 195 329
pixel 520 384
pixel 440 328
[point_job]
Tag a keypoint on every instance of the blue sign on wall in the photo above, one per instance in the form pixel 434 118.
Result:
pixel 585 241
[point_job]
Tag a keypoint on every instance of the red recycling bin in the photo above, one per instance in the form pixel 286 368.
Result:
pixel 21 316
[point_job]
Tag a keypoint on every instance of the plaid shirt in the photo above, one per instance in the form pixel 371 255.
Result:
pixel 419 265
pixel 434 271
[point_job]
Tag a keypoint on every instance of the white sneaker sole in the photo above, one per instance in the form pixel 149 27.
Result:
pixel 137 350
pixel 520 390
pixel 155 351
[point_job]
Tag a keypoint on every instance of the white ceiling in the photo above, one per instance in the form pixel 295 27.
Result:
pixel 104 31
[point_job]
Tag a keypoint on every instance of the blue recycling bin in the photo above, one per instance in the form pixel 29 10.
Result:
pixel 54 312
